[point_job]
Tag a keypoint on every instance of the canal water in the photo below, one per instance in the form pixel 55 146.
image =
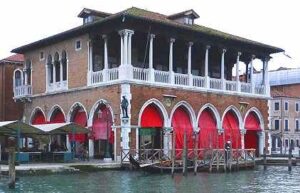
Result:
pixel 274 179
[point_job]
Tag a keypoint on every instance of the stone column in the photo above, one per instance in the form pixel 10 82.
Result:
pixel 206 66
pixel 237 67
pixel 126 69
pixel 122 47
pixel 68 144
pixel 223 70
pixel 151 69
pixel 105 69
pixel 61 73
pixel 190 64
pixel 251 75
pixel 125 48
pixel 129 52
pixel 171 72
pixel 266 76
pixel 243 133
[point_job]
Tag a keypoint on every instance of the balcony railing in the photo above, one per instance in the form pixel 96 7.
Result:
pixel 22 91
pixel 167 78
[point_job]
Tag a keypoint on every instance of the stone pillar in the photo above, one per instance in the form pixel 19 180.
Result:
pixel 243 133
pixel 251 75
pixel 54 74
pixel 237 67
pixel 190 64
pixel 151 69
pixel 61 73
pixel 125 122
pixel 206 67
pixel 68 144
pixel 266 76
pixel 223 70
pixel 126 69
pixel 105 69
pixel 171 72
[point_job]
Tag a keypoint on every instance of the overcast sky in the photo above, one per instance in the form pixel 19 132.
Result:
pixel 273 22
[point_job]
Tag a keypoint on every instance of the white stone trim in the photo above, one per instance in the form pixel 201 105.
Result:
pixel 190 111
pixel 33 113
pixel 52 110
pixel 215 114
pixel 259 116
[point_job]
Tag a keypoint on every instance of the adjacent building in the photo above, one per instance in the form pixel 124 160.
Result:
pixel 118 73
pixel 285 110
pixel 10 67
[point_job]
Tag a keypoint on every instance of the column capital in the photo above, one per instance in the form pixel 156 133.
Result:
pixel 239 53
pixel 253 57
pixel 172 40
pixel 224 50
pixel 152 36
pixel 207 47
pixel 126 31
pixel 190 44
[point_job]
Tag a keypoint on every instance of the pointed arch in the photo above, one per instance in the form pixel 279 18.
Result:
pixel 37 116
pixel 94 109
pixel 183 121
pixel 18 78
pixel 56 115
pixel 232 124
pixel 160 108
pixel 72 110
pixel 189 109
pixel 209 124
pixel 258 115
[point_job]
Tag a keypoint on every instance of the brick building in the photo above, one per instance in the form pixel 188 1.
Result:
pixel 285 110
pixel 167 71
pixel 9 109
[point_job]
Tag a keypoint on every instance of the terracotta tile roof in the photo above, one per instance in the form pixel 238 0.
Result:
pixel 142 14
pixel 13 58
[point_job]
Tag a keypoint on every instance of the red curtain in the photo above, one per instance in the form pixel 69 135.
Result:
pixel 38 118
pixel 151 117
pixel 231 129
pixel 181 123
pixel 208 136
pixel 252 125
pixel 58 117
pixel 102 124
pixel 81 119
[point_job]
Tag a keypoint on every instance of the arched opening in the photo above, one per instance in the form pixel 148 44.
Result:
pixel 231 129
pixel 79 116
pixel 181 124
pixel 38 118
pixel 18 78
pixel 49 69
pixel 57 67
pixel 151 128
pixel 252 126
pixel 64 65
pixel 208 135
pixel 102 132
pixel 58 142
pixel 57 116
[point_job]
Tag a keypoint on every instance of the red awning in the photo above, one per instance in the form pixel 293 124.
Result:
pixel 102 124
pixel 208 136
pixel 38 118
pixel 151 117
pixel 181 123
pixel 252 122
pixel 231 129
pixel 81 119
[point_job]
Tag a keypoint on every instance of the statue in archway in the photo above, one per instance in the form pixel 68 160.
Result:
pixel 124 106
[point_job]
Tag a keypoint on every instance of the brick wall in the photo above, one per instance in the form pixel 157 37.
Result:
pixel 77 63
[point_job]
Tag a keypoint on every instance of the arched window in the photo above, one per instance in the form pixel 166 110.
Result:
pixel 50 68
pixel 18 78
pixel 64 64
pixel 57 67
pixel 27 72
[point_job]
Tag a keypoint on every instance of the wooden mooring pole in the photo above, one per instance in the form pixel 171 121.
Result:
pixel 290 160
pixel 11 162
pixel 184 155
pixel 196 153
pixel 173 154
pixel 265 158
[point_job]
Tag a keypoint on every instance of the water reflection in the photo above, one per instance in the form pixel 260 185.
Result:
pixel 275 179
